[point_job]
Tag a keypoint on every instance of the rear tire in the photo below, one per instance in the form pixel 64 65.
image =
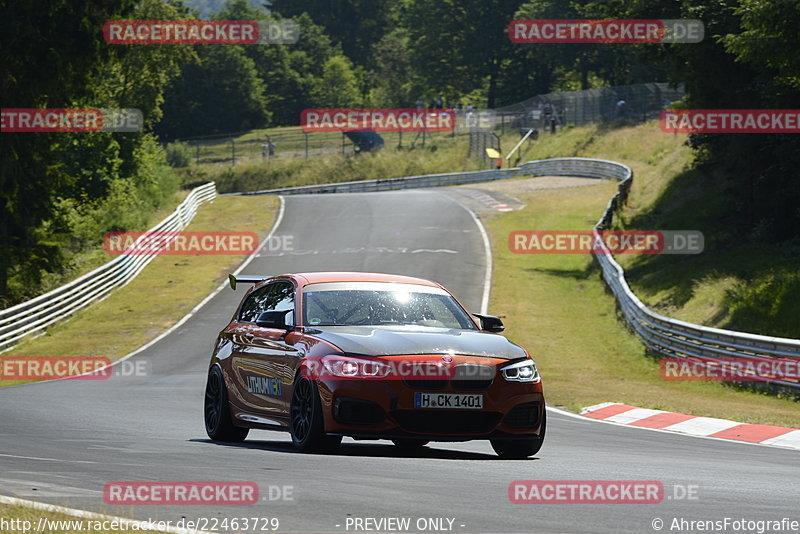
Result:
pixel 217 410
pixel 519 449
pixel 306 421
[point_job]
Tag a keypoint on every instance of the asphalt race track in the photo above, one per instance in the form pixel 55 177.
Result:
pixel 60 442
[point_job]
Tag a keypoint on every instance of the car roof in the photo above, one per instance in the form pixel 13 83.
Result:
pixel 345 276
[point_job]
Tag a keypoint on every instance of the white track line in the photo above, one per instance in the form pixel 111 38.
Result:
pixel 83 514
pixel 186 317
pixel 487 252
pixel 90 515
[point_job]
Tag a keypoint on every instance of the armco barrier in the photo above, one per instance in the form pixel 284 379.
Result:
pixel 669 337
pixel 585 167
pixel 38 313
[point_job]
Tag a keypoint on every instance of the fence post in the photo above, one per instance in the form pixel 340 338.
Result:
pixel 305 136
pixel 483 152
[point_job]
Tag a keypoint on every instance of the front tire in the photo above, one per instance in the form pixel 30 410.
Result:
pixel 306 421
pixel 519 449
pixel 217 410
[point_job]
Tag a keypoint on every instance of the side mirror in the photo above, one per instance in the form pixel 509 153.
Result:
pixel 274 319
pixel 490 323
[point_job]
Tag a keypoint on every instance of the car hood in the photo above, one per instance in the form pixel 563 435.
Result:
pixel 388 341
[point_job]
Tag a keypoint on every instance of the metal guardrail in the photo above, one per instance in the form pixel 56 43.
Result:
pixel 666 336
pixel 584 167
pixel 37 314
pixel 390 184
pixel 672 337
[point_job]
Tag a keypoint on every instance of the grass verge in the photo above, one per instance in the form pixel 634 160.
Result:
pixel 557 306
pixel 441 153
pixel 743 280
pixel 54 523
pixel 167 289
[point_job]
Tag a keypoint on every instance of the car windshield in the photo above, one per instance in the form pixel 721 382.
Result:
pixel 377 304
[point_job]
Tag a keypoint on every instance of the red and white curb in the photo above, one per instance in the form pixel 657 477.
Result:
pixel 710 427
pixel 489 201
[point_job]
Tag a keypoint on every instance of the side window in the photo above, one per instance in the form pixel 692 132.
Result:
pixel 277 296
pixel 280 298
pixel 250 308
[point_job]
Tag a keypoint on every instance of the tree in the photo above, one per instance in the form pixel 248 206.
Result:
pixel 40 173
pixel 747 60
pixel 460 45
pixel 354 25
pixel 223 93
pixel 338 87
pixel 291 72
pixel 393 80
pixel 49 67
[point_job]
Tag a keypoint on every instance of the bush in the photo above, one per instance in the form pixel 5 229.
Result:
pixel 179 154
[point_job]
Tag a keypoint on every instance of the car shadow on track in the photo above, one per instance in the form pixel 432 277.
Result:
pixel 368 450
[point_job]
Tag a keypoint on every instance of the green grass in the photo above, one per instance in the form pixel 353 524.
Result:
pixel 557 307
pixel 68 524
pixel 441 153
pixel 167 289
pixel 741 282
pixel 80 262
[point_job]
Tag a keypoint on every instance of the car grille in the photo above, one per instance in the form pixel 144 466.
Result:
pixel 524 415
pixel 472 385
pixel 426 384
pixel 474 378
pixel 446 421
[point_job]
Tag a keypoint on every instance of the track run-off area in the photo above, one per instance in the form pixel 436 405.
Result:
pixel 61 442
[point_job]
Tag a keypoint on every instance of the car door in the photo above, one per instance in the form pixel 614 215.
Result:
pixel 262 355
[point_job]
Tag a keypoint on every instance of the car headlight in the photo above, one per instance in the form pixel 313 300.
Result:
pixel 524 371
pixel 348 367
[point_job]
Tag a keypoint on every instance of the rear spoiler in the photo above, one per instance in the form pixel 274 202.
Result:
pixel 244 278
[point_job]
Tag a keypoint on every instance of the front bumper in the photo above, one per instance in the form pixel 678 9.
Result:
pixel 384 409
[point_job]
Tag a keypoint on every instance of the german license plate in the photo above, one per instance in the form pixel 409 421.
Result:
pixel 462 401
